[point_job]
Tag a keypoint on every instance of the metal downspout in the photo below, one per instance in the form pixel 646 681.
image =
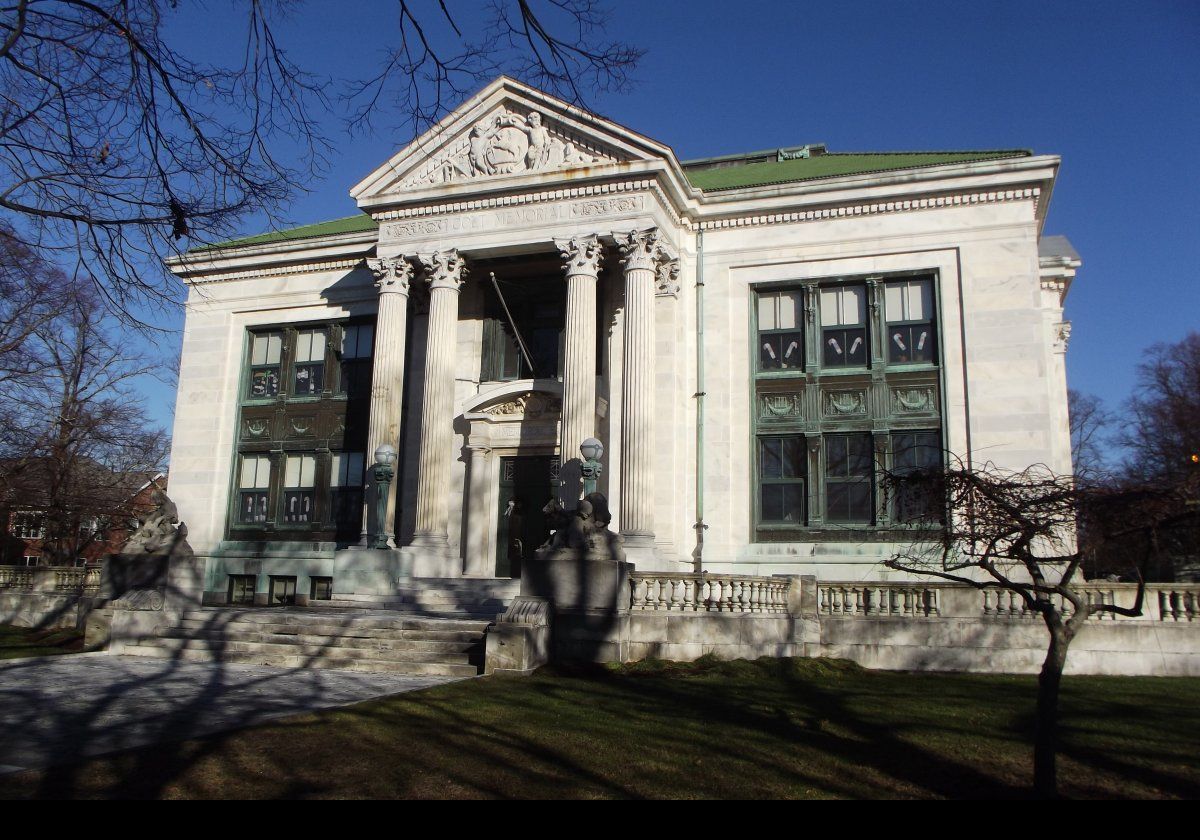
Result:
pixel 698 552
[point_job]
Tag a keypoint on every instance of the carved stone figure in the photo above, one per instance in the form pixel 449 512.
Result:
pixel 503 144
pixel 157 531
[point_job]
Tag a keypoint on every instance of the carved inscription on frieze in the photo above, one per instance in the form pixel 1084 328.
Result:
pixel 488 220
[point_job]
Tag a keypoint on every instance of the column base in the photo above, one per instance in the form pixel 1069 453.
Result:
pixel 432 557
pixel 641 551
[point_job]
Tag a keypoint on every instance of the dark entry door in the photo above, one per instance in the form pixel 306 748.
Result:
pixel 527 483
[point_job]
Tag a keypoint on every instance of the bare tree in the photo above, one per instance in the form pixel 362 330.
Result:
pixel 1089 423
pixel 1014 531
pixel 77 441
pixel 118 149
pixel 1163 433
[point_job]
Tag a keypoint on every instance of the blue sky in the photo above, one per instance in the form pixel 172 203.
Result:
pixel 1113 88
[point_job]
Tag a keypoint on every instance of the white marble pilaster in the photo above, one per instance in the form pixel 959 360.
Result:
pixel 475 554
pixel 392 278
pixel 444 272
pixel 581 262
pixel 641 251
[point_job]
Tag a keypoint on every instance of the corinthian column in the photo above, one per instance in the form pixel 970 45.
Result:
pixel 392 277
pixel 640 254
pixel 581 262
pixel 445 273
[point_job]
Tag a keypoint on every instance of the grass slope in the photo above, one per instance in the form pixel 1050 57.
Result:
pixel 771 728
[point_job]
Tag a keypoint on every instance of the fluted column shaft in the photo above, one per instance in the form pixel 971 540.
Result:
pixel 582 257
pixel 640 254
pixel 445 272
pixel 392 278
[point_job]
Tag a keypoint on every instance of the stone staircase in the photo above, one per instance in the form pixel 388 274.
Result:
pixel 482 598
pixel 429 627
pixel 378 641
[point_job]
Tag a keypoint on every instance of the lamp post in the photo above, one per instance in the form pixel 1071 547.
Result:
pixel 590 469
pixel 385 457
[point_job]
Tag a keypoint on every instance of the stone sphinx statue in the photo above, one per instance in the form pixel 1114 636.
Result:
pixel 582 566
pixel 584 529
pixel 157 530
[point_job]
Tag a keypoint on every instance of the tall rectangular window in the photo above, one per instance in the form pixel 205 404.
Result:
pixel 780 340
pixel 917 456
pixel 266 353
pixel 844 326
pixel 253 489
pixel 347 478
pixel 309 363
pixel 781 471
pixel 357 349
pixel 299 489
pixel 849 478
pixel 908 308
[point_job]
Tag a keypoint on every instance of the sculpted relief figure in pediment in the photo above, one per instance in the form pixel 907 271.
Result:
pixel 504 143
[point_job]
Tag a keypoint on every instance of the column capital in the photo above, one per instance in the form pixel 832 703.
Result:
pixel 666 278
pixel 640 249
pixel 581 254
pixel 444 269
pixel 392 274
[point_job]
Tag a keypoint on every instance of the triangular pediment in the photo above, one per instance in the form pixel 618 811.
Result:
pixel 506 132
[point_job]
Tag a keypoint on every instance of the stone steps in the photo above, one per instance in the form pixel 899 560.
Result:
pixel 480 596
pixel 309 652
pixel 466 642
pixel 330 661
pixel 333 622
pixel 394 642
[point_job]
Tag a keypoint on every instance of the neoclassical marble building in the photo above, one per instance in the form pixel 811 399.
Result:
pixel 755 339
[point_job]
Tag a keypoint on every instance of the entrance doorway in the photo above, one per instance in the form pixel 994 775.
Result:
pixel 527 483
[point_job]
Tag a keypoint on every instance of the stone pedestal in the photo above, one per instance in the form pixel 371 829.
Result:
pixel 520 642
pixel 575 579
pixel 369 571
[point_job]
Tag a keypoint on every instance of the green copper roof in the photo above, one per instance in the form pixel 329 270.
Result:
pixel 730 176
pixel 351 224
pixel 710 174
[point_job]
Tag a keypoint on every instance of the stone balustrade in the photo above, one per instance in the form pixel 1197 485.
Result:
pixel 713 593
pixel 16 578
pixel 83 580
pixel 1162 601
pixel 850 599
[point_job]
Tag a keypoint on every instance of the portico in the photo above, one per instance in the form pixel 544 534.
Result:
pixel 536 417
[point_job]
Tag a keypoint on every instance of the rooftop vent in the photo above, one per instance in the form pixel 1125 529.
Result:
pixel 809 150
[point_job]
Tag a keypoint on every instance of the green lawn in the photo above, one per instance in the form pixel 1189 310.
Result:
pixel 771 728
pixel 18 642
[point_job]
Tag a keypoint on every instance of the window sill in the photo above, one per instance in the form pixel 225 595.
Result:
pixel 845 534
